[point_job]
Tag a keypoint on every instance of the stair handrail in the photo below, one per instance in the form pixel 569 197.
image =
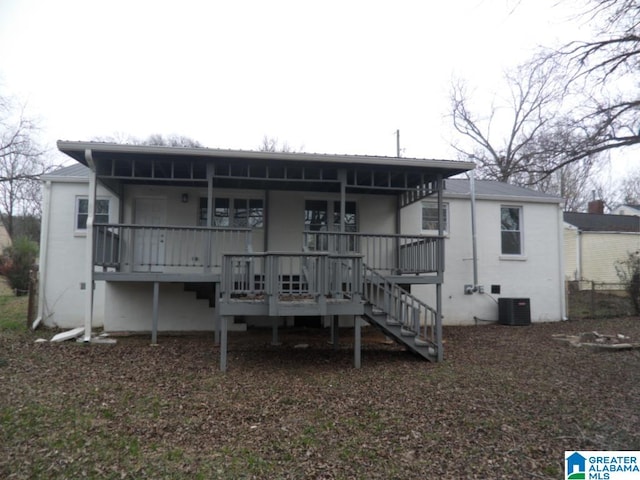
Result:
pixel 413 314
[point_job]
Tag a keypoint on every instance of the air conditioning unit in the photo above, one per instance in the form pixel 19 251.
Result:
pixel 514 311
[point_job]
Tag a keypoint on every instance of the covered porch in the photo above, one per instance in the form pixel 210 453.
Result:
pixel 276 234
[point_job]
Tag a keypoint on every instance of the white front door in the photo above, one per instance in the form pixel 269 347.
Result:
pixel 149 242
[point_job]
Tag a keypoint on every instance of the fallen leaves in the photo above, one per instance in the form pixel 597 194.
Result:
pixel 506 403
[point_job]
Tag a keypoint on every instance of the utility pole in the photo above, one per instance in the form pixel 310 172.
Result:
pixel 398 143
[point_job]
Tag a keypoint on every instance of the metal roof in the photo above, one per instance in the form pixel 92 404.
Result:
pixel 595 222
pixel 76 150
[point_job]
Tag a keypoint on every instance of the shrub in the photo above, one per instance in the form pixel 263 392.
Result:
pixel 17 261
pixel 628 271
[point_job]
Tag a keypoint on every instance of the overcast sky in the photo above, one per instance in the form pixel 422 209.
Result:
pixel 324 76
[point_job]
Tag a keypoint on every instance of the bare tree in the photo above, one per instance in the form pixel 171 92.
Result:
pixel 272 144
pixel 22 161
pixel 157 139
pixel 605 70
pixel 171 141
pixel 523 137
pixel 630 188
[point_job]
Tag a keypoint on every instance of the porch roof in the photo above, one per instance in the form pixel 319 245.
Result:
pixel 255 169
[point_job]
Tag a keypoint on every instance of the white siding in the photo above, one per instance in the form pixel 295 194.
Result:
pixel 130 304
pixel 64 273
pixel 535 275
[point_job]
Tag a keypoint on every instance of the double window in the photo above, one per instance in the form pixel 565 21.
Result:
pixel 234 212
pixel 323 216
pixel 82 212
pixel 511 230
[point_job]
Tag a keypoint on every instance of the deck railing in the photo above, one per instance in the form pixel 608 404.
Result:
pixel 126 247
pixel 389 254
pixel 290 276
pixel 411 313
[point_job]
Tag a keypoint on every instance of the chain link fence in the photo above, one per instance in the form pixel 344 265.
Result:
pixel 588 299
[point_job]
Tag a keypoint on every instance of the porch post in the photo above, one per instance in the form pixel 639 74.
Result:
pixel 154 318
pixel 440 271
pixel 216 326
pixel 223 343
pixel 342 176
pixel 335 324
pixel 274 338
pixel 357 344
pixel 209 194
pixel 91 208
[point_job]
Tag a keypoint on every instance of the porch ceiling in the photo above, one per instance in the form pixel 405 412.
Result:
pixel 144 164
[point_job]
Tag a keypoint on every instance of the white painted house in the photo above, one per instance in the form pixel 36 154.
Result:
pixel 196 239
pixel 518 250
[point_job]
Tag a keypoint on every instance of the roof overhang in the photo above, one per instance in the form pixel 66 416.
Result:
pixel 412 178
pixel 76 150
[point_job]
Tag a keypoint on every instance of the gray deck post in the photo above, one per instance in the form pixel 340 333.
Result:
pixel 357 344
pixel 274 326
pixel 216 326
pixel 335 324
pixel 154 317
pixel 223 343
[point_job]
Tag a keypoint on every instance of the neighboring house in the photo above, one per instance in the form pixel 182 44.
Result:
pixel 593 242
pixel 196 239
pixel 5 239
pixel 627 209
pixel 518 250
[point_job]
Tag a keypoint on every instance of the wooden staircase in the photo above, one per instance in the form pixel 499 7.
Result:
pixel 203 291
pixel 401 316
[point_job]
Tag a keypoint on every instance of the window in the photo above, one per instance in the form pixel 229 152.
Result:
pixel 233 212
pixel 350 219
pixel 316 213
pixel 511 230
pixel 430 217
pixel 316 219
pixel 315 216
pixel 82 212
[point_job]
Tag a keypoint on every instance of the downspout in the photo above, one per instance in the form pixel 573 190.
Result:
pixel 44 247
pixel 563 303
pixel 88 316
pixel 474 242
pixel 579 255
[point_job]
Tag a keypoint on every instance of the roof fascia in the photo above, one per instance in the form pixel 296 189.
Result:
pixel 80 147
pixel 505 198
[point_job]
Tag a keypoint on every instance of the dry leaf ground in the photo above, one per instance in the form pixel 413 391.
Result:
pixel 506 403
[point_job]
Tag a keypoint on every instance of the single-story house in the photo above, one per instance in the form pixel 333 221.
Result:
pixel 627 209
pixel 593 242
pixel 508 246
pixel 146 238
pixel 154 239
